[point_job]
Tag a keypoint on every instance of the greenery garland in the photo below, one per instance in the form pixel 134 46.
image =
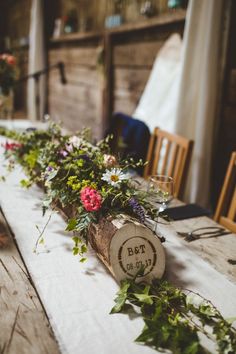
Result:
pixel 84 180
pixel 75 175
pixel 173 318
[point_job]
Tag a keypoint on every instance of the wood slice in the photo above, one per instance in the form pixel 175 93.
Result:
pixel 124 245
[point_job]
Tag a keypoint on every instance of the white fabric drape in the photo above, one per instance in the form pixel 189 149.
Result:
pixel 36 60
pixel 183 90
pixel 196 115
pixel 157 105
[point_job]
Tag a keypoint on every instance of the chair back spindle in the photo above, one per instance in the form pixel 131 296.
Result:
pixel 226 207
pixel 169 154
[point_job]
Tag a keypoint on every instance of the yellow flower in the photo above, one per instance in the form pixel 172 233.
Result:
pixel 80 163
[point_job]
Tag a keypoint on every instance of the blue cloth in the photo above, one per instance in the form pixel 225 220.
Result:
pixel 134 133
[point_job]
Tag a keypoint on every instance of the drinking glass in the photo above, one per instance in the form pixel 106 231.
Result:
pixel 161 190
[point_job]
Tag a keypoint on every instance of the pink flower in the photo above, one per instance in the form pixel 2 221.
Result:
pixel 109 160
pixel 11 60
pixel 12 146
pixel 91 199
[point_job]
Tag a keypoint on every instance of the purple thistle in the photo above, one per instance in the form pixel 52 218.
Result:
pixel 137 209
pixel 84 157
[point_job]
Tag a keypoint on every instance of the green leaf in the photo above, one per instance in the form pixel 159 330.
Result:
pixel 145 298
pixel 231 320
pixel 52 175
pixel 25 183
pixel 41 241
pixel 83 249
pixel 121 297
pixel 72 223
pixel 75 251
pixel 76 240
pixel 193 348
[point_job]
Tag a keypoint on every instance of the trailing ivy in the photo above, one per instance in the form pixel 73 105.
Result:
pixel 174 318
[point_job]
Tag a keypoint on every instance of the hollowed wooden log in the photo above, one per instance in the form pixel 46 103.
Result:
pixel 125 246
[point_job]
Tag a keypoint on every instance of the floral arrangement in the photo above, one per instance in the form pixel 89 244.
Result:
pixel 89 183
pixel 7 72
pixel 85 181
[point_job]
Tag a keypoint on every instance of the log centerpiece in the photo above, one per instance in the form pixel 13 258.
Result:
pixel 124 245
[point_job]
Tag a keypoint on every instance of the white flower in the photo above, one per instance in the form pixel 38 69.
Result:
pixel 75 141
pixel 114 176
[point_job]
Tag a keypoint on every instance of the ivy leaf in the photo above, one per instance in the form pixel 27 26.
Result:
pixel 83 249
pixel 121 297
pixel 146 335
pixel 25 183
pixel 75 250
pixel 72 223
pixel 207 310
pixel 193 348
pixel 76 240
pixel 145 298
pixel 231 320
pixel 52 175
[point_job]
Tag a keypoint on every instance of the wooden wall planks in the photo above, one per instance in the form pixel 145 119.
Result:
pixel 20 98
pixel 78 103
pixel 132 64
pixel 106 72
pixel 24 327
pixel 141 53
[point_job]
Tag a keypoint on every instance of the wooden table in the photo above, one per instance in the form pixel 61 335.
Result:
pixel 36 289
pixel 23 321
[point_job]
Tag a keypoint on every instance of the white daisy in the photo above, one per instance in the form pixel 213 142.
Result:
pixel 114 176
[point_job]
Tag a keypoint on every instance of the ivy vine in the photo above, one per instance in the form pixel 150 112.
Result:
pixel 174 318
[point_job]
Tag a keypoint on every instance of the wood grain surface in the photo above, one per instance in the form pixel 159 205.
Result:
pixel 24 327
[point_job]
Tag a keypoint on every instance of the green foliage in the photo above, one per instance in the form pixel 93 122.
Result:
pixel 80 248
pixel 64 165
pixel 25 183
pixel 173 320
pixel 8 73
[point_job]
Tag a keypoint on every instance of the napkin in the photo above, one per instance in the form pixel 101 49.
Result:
pixel 186 212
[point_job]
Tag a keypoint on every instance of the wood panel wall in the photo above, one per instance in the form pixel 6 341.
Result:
pixel 132 65
pixel 77 104
pixel 126 56
pixel 133 58
pixel 20 91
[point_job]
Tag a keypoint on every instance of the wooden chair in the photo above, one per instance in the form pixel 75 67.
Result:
pixel 226 207
pixel 169 154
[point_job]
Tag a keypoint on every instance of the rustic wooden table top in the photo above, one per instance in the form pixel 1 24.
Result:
pixel 24 324
pixel 26 328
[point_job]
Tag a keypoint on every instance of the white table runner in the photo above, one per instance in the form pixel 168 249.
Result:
pixel 78 297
